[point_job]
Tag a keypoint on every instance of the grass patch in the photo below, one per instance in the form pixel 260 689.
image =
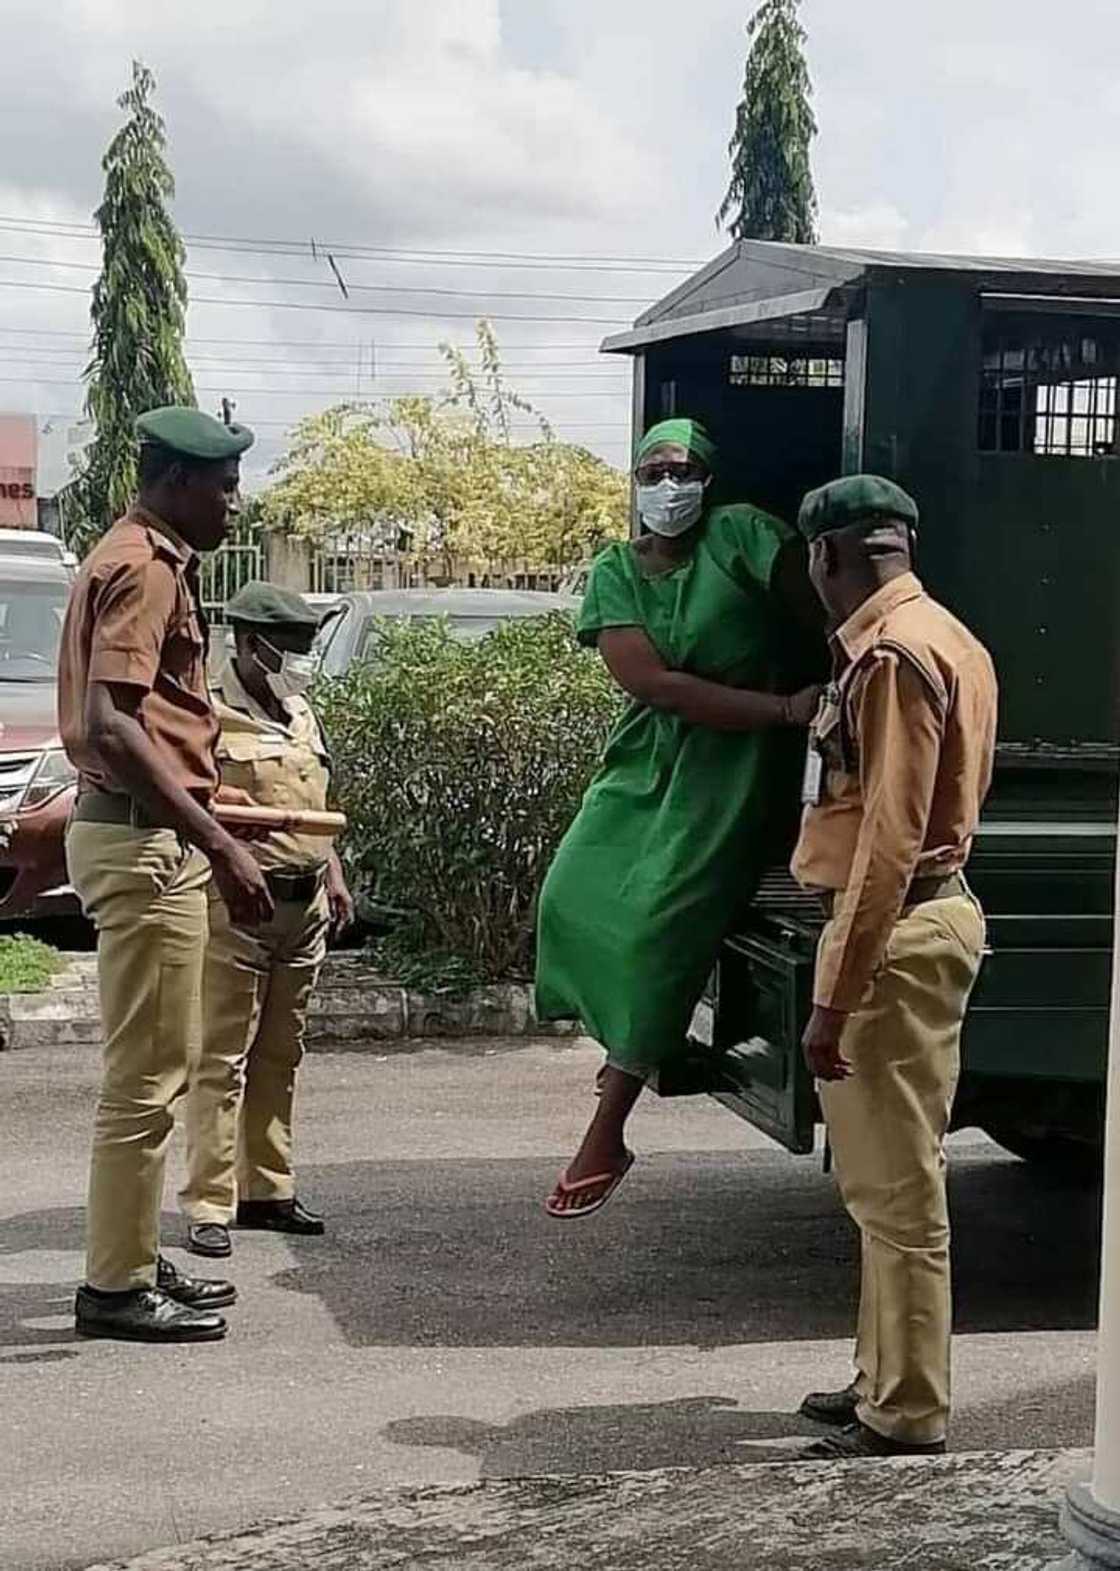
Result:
pixel 26 965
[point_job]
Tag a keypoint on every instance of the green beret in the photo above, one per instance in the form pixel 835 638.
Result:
pixel 193 433
pixel 856 499
pixel 267 605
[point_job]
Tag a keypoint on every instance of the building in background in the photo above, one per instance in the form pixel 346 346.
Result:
pixel 19 471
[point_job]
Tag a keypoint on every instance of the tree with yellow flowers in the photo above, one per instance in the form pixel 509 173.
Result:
pixel 447 471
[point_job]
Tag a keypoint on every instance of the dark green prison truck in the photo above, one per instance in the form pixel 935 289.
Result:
pixel 987 388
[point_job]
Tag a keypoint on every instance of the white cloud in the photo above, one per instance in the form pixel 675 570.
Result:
pixel 878 227
pixel 587 127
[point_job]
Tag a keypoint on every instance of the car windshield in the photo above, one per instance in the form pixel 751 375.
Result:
pixel 30 624
pixel 465 627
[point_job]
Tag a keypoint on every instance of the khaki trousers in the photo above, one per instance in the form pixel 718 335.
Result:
pixel 257 986
pixel 887 1125
pixel 146 894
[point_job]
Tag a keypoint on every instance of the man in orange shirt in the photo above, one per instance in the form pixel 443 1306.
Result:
pixel 137 723
pixel 900 762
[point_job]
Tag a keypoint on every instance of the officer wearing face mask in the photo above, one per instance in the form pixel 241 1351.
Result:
pixel 258 982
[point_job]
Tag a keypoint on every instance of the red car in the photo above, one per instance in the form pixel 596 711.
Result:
pixel 36 779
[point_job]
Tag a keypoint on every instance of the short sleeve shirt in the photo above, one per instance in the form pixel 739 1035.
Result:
pixel 134 621
pixel 280 764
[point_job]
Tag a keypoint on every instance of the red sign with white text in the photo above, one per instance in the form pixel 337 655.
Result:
pixel 19 439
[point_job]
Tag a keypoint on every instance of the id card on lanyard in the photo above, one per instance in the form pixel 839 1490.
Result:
pixel 828 718
pixel 812 781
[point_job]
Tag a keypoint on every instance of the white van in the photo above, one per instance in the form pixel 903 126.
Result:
pixel 36 543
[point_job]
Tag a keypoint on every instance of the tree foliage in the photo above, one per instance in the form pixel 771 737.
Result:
pixel 138 309
pixel 448 472
pixel 771 194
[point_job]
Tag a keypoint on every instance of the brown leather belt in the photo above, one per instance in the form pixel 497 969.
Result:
pixel 107 807
pixel 941 887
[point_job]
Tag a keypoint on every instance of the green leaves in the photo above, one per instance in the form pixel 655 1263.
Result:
pixel 460 766
pixel 448 469
pixel 138 312
pixel 771 195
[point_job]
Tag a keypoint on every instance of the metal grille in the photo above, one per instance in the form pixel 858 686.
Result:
pixel 16 770
pixel 785 371
pixel 1053 396
pixel 781 894
pixel 354 562
pixel 223 573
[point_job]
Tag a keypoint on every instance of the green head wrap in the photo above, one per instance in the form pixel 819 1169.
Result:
pixel 689 434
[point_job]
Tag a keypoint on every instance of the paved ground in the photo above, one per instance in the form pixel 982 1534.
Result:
pixel 447 1332
pixel 994 1510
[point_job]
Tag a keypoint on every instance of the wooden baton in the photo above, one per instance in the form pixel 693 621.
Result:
pixel 299 821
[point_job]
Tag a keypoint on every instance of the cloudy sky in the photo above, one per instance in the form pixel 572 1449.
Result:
pixel 554 164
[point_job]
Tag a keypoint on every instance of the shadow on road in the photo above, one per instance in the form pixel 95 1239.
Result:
pixel 695 1431
pixel 696 1250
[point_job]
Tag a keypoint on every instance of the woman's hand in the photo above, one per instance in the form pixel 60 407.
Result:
pixel 801 708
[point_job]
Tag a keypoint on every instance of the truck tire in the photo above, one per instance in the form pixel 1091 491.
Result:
pixel 1060 1154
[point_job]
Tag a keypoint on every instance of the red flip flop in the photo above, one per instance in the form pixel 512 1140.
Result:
pixel 567 1187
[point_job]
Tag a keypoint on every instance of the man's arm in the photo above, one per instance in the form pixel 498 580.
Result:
pixel 339 898
pixel 640 671
pixel 117 736
pixel 898 724
pixel 131 617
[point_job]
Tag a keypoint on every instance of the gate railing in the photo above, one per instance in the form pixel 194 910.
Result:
pixel 225 570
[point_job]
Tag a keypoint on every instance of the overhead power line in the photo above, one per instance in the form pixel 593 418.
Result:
pixel 335 310
pixel 542 346
pixel 64 359
pixel 355 250
pixel 323 283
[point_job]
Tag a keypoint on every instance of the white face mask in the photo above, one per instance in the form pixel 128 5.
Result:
pixel 295 676
pixel 671 506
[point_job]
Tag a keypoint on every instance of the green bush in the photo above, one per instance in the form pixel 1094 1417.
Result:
pixel 26 965
pixel 460 766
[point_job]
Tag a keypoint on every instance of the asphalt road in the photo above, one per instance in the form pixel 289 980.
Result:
pixel 447 1330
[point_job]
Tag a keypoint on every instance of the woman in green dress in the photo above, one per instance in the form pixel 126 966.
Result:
pixel 693 620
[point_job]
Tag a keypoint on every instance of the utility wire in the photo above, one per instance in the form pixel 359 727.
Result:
pixel 356 251
pixel 323 283
pixel 335 310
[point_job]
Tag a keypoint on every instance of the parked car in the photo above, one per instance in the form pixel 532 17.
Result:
pixel 349 629
pixel 36 778
pixel 37 544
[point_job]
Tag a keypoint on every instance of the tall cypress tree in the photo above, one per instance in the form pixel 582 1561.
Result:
pixel 771 195
pixel 138 310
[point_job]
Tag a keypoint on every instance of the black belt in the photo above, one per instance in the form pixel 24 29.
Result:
pixel 938 887
pixel 292 884
pixel 108 807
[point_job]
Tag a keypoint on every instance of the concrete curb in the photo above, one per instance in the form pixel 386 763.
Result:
pixel 998 1510
pixel 355 1010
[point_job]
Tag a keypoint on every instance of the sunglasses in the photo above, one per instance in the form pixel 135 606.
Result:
pixel 651 474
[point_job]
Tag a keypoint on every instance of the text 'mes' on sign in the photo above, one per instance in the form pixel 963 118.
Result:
pixel 19 438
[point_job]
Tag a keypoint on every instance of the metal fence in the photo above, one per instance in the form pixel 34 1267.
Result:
pixel 224 572
pixel 351 562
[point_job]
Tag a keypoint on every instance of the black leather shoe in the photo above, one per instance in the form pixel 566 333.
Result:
pixel 857 1442
pixel 195 1292
pixel 832 1407
pixel 280 1216
pixel 210 1239
pixel 146 1315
